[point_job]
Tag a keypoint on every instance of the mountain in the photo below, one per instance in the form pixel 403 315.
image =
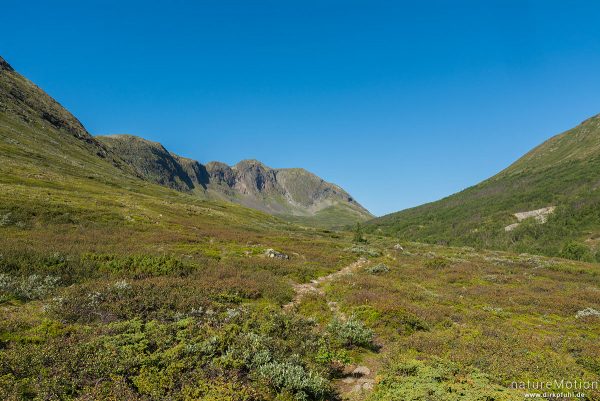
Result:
pixel 547 202
pixel 294 194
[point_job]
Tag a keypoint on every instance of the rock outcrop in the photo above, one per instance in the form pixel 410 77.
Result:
pixel 540 215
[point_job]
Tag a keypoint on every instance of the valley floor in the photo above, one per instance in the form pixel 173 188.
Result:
pixel 144 296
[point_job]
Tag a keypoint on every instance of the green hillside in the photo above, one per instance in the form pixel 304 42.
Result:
pixel 563 172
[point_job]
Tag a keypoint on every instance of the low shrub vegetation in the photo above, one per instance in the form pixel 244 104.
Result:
pixel 436 379
pixel 379 268
pixel 351 332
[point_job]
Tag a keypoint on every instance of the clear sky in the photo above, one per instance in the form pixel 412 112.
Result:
pixel 400 103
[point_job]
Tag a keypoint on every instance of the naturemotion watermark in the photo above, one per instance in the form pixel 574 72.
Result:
pixel 559 389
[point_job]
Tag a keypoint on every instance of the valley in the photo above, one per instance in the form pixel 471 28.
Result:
pixel 131 273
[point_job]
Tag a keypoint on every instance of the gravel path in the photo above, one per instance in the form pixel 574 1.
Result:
pixel 358 380
pixel 301 290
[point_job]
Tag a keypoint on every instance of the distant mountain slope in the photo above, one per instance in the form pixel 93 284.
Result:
pixel 150 160
pixel 57 178
pixel 290 193
pixel 42 142
pixel 563 172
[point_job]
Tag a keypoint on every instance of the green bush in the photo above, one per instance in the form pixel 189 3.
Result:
pixel 377 269
pixel 437 263
pixel 365 251
pixel 329 355
pixel 351 332
pixel 27 288
pixel 358 235
pixel 576 251
pixel 290 377
pixel 139 266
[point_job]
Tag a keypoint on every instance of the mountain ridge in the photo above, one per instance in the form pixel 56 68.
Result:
pixel 286 192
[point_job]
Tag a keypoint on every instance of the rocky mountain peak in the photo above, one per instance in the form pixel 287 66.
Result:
pixel 254 177
pixel 221 174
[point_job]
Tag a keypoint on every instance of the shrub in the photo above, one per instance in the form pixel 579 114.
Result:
pixel 358 234
pixel 365 251
pixel 328 355
pixel 27 263
pixel 28 287
pixel 575 251
pixel 439 380
pixel 351 333
pixel 377 269
pixel 139 266
pixel 437 263
pixel 287 376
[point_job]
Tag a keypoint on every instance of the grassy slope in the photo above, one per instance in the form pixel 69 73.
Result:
pixel 563 172
pixel 457 320
pixel 331 217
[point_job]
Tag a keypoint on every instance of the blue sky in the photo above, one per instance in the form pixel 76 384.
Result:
pixel 400 103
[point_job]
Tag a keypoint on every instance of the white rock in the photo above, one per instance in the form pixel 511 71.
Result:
pixel 587 312
pixel 541 215
pixel 361 371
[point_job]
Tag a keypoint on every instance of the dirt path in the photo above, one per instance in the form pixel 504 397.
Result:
pixel 301 290
pixel 358 380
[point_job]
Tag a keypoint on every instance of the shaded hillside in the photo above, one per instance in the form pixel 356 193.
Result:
pixel 563 172
pixel 293 194
pixel 151 161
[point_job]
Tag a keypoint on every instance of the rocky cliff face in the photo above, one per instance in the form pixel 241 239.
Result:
pixel 194 170
pixel 253 177
pixel 221 174
pixel 285 192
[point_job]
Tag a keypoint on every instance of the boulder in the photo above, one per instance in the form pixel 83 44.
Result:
pixel 272 253
pixel 361 371
pixel 587 312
